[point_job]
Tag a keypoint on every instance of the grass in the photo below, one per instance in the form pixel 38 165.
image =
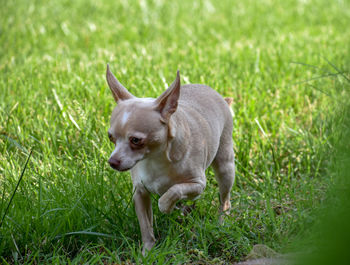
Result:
pixel 274 58
pixel 330 234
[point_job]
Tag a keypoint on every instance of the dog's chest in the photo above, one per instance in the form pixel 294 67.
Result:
pixel 155 176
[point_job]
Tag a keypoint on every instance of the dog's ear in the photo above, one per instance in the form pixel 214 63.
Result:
pixel 119 92
pixel 166 103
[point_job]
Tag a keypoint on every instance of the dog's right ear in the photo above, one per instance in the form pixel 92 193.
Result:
pixel 119 92
pixel 166 103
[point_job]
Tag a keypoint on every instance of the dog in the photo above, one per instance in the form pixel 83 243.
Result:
pixel 168 142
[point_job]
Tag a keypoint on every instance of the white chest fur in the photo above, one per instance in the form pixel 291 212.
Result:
pixel 155 175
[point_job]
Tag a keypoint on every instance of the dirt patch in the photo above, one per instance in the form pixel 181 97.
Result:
pixel 263 255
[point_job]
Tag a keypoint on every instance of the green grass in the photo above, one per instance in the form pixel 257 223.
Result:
pixel 329 237
pixel 72 208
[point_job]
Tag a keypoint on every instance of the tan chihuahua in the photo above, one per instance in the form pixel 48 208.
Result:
pixel 168 142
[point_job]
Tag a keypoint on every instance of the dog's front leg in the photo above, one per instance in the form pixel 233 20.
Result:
pixel 177 192
pixel 143 207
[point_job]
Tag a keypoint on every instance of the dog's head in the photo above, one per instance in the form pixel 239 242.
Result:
pixel 139 126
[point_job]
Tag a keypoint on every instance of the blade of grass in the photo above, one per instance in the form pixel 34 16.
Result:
pixel 85 233
pixel 305 64
pixel 337 69
pixel 322 91
pixel 315 78
pixel 14 192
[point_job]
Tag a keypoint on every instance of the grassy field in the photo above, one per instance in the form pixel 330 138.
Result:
pixel 280 62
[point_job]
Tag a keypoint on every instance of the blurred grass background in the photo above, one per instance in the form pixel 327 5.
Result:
pixel 275 58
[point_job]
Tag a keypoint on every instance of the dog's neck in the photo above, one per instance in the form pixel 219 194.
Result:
pixel 178 137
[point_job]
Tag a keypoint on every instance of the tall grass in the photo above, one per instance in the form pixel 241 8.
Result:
pixel 268 55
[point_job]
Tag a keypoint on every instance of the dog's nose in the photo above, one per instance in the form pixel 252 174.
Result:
pixel 114 163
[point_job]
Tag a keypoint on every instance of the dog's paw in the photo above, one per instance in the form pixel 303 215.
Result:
pixel 226 206
pixel 167 201
pixel 225 210
pixel 164 205
pixel 147 247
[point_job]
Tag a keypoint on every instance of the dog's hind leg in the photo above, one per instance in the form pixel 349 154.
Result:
pixel 224 167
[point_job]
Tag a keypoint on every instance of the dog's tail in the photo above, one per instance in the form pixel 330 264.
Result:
pixel 229 101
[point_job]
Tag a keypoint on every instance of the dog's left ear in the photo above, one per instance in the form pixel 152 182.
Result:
pixel 166 103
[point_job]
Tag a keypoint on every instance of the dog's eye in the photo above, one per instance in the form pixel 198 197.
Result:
pixel 136 141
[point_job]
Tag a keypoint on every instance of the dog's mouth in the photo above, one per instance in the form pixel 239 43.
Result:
pixel 121 168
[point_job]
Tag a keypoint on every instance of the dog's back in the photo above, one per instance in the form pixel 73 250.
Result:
pixel 208 116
